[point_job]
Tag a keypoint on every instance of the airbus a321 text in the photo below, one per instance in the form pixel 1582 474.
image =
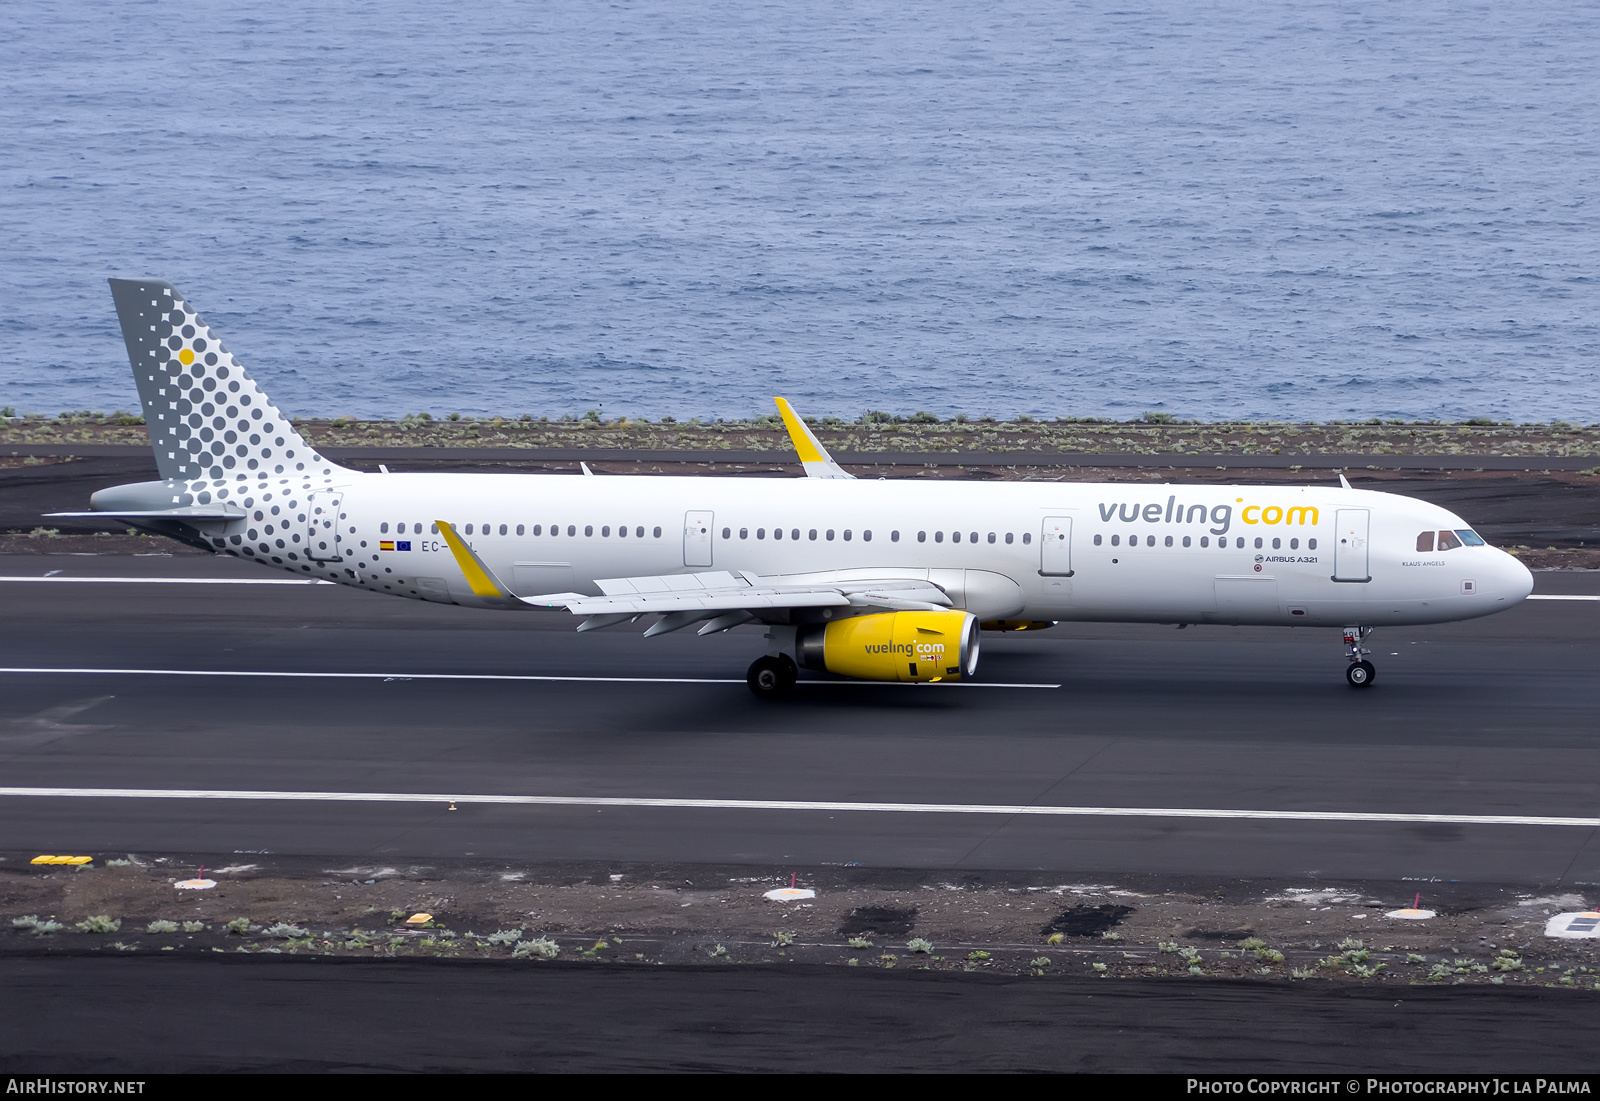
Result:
pixel 878 580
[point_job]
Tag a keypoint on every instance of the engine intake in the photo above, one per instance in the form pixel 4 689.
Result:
pixel 897 646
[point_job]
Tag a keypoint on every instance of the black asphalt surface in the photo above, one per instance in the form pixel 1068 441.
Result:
pixel 128 1016
pixel 1494 716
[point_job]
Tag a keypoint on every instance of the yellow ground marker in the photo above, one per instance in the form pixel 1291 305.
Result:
pixel 61 860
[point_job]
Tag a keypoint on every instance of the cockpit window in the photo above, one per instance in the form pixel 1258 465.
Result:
pixel 1448 540
pixel 1470 537
pixel 1425 542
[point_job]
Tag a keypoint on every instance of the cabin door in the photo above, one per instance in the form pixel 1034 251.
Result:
pixel 1350 544
pixel 322 537
pixel 1055 547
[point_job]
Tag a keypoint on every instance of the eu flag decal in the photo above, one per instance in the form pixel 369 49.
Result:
pixel 403 544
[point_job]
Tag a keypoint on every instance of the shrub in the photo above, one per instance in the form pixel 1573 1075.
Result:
pixel 917 944
pixel 538 948
pixel 99 923
pixel 161 925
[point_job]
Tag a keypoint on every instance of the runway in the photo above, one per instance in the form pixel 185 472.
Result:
pixel 1472 758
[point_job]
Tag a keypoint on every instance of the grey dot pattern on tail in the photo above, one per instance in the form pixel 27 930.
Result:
pixel 218 437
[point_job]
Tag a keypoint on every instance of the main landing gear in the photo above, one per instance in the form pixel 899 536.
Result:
pixel 772 675
pixel 1360 672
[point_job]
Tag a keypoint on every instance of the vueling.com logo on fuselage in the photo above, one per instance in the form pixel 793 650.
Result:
pixel 1219 516
pixel 923 651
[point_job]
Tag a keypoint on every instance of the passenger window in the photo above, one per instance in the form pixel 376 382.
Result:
pixel 972 537
pixel 1205 540
pixel 1027 537
pixel 727 533
pixel 1311 544
pixel 922 537
pixel 1116 540
pixel 894 537
pixel 383 528
pixel 502 529
pixel 1169 540
pixel 657 533
pixel 938 537
pixel 1276 542
pixel 1425 542
pixel 744 533
pixel 622 531
pixel 794 533
pixel 1008 537
pixel 866 536
pixel 484 528
pixel 813 535
pixel 1149 540
pixel 588 531
pixel 991 537
pixel 572 529
pixel 1448 541
pixel 1470 538
pixel 469 529
pixel 1258 542
pixel 1186 540
pixel 829 535
pixel 538 529
pixel 1097 540
pixel 638 532
pixel 761 533
pixel 1294 544
pixel 433 528
pixel 777 533
pixel 955 537
pixel 847 535
pixel 606 531
pixel 520 529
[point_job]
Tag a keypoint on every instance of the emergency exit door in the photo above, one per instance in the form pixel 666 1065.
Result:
pixel 697 538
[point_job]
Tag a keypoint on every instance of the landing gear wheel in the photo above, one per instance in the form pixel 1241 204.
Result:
pixel 770 677
pixel 1360 674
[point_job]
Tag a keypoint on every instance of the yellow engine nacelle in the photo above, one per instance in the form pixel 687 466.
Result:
pixel 901 646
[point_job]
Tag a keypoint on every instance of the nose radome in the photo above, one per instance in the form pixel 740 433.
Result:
pixel 1516 580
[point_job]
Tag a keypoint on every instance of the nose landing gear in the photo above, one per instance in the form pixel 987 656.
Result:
pixel 1360 672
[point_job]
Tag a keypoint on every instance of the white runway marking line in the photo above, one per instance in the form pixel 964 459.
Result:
pixel 176 580
pixel 795 805
pixel 1560 596
pixel 514 677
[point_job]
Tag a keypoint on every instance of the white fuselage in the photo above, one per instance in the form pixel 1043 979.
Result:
pixel 1002 550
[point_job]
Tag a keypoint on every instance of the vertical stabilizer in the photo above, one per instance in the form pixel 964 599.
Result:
pixel 207 418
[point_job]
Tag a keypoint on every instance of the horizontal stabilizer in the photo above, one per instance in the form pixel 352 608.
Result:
pixel 159 514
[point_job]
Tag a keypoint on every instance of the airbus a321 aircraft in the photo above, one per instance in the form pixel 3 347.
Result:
pixel 878 580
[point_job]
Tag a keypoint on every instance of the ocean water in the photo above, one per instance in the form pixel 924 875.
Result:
pixel 1237 208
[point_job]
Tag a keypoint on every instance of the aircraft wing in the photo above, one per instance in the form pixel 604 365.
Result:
pixel 723 591
pixel 725 599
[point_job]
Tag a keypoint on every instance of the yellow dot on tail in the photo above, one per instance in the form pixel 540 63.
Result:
pixel 186 357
